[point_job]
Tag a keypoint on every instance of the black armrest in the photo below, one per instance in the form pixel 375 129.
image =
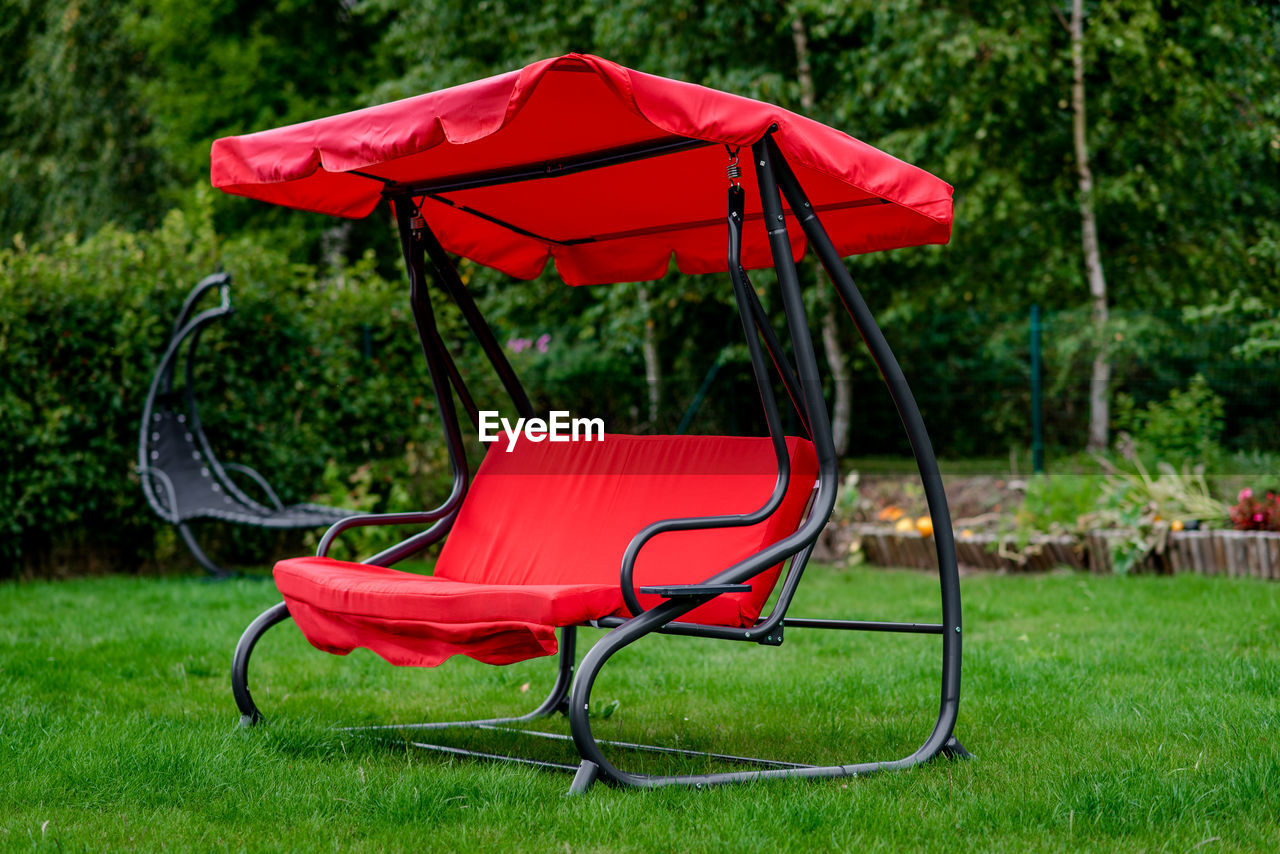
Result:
pixel 681 591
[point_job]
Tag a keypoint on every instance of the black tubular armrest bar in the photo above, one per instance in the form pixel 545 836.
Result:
pixel 365 520
pixel 765 384
pixel 416 543
pixel 681 591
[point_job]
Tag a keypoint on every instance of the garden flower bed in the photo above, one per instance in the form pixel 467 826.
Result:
pixel 1114 522
pixel 1252 554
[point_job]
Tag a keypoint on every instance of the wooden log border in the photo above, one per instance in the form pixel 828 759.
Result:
pixel 1235 554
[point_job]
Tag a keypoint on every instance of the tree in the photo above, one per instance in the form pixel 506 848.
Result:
pixel 73 147
pixel 1100 379
pixel 842 403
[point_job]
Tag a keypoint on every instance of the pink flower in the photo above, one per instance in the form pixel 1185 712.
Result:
pixel 1257 517
pixel 1245 493
pixel 543 340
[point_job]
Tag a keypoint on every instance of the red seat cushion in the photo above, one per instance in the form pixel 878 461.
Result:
pixel 539 543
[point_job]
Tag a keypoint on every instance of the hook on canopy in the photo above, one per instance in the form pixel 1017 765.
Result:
pixel 733 170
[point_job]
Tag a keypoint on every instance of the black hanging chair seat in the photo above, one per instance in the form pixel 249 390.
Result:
pixel 181 477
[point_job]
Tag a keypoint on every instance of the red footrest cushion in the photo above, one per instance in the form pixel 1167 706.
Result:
pixel 421 620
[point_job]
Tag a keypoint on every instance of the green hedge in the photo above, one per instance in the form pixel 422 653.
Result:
pixel 319 384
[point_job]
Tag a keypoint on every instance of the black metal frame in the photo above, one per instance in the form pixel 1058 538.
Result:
pixel 802 380
pixel 171 420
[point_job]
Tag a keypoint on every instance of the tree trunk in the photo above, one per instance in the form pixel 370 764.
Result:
pixel 842 410
pixel 843 404
pixel 1100 380
pixel 652 366
pixel 334 242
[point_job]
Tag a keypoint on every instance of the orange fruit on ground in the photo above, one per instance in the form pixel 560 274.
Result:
pixel 904 525
pixel 1176 525
pixel 925 526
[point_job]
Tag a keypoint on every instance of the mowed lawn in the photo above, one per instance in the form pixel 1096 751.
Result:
pixel 1106 714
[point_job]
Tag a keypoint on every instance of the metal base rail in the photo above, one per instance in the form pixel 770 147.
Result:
pixel 588 771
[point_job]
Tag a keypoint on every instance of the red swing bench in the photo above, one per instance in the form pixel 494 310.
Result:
pixel 636 534
pixel 536 547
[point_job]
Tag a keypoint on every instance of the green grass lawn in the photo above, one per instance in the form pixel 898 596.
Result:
pixel 1106 713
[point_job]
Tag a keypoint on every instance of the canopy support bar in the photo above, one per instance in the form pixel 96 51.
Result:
pixel 764 383
pixel 779 357
pixel 446 275
pixel 631 232
pixel 533 171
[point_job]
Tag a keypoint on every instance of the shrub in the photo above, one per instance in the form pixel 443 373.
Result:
pixel 304 374
pixel 1188 425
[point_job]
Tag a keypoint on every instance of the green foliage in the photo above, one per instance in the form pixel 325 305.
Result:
pixel 1173 495
pixel 1187 426
pixel 1056 503
pixel 302 373
pixel 1133 510
pixel 74 153
pixel 107 112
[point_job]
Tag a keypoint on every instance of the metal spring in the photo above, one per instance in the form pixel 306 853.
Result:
pixel 733 170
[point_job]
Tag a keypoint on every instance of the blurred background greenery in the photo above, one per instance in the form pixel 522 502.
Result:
pixel 108 109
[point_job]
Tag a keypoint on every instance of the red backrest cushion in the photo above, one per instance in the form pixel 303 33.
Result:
pixel 563 513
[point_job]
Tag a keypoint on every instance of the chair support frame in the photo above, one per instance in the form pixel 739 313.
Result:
pixel 163 402
pixel 571 694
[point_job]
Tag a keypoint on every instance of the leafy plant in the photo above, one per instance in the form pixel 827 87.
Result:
pixel 1185 426
pixel 1174 495
pixel 1056 503
pixel 1147 509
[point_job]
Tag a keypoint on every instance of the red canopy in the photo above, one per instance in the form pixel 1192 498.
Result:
pixel 619 222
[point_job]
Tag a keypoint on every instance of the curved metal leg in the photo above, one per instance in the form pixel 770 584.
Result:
pixel 909 413
pixel 249 714
pixel 198 553
pixel 558 699
pixel 595 766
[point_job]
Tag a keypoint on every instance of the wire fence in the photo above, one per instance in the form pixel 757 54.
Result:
pixel 974 379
